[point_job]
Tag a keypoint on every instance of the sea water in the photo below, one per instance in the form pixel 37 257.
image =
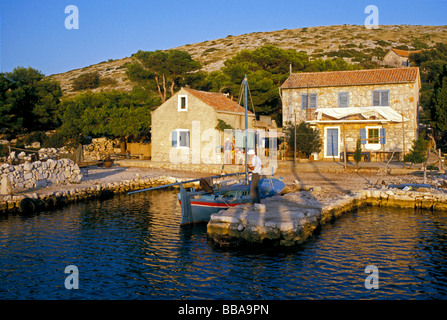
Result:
pixel 131 247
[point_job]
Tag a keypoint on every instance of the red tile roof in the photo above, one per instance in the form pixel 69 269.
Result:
pixel 218 101
pixel 351 78
pixel 404 53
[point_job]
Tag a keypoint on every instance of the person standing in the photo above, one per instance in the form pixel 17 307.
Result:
pixel 256 166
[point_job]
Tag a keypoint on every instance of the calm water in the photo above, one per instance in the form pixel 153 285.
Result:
pixel 130 247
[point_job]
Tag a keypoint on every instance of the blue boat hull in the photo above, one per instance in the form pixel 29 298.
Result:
pixel 200 206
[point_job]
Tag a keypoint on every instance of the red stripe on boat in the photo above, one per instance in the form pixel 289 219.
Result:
pixel 210 204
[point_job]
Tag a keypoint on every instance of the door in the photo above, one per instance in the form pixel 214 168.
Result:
pixel 332 142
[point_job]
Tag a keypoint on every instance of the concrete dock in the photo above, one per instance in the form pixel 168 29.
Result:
pixel 291 219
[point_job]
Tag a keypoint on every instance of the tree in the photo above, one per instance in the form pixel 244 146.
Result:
pixel 222 125
pixel 160 71
pixel 267 68
pixel 28 101
pixel 113 114
pixel 307 139
pixel 418 152
pixel 432 64
pixel 438 102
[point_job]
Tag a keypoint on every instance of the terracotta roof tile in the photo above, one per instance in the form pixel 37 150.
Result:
pixel 218 101
pixel 405 53
pixel 354 77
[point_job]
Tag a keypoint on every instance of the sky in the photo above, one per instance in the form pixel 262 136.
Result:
pixel 33 33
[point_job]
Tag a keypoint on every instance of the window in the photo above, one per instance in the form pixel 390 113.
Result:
pixel 180 138
pixel 343 99
pixel 182 103
pixel 381 98
pixel 312 97
pixel 373 137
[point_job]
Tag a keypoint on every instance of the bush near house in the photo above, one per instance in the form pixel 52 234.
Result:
pixel 418 152
pixel 307 139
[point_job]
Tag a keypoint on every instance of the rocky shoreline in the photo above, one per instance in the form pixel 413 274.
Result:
pixel 313 200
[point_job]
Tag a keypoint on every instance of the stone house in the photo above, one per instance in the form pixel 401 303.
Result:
pixel 184 130
pixel 398 58
pixel 378 106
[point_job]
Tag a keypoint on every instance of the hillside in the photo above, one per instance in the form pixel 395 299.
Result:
pixel 353 43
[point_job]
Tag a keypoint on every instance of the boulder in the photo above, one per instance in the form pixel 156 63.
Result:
pixel 5 188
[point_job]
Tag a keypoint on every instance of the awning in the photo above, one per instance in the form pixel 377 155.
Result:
pixel 381 113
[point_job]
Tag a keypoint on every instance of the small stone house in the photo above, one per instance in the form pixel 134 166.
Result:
pixel 398 58
pixel 378 106
pixel 184 130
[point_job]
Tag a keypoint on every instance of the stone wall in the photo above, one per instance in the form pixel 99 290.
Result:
pixel 394 60
pixel 39 174
pixel 99 148
pixel 50 199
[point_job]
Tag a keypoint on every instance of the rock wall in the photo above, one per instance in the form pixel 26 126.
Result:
pixel 40 174
pixel 100 147
pixel 51 199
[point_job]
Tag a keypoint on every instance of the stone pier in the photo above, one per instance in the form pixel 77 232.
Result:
pixel 291 219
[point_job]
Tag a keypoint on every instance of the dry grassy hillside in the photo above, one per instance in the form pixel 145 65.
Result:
pixel 316 41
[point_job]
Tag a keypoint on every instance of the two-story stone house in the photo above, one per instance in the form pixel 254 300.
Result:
pixel 379 106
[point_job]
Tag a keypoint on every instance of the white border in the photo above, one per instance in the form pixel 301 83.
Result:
pixel 372 146
pixel 178 138
pixel 179 102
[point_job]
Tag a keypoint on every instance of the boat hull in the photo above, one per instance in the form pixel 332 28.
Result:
pixel 200 206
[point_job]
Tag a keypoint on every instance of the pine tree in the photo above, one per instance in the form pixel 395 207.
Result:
pixel 358 152
pixel 418 152
pixel 438 102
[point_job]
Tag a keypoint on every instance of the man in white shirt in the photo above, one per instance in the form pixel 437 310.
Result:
pixel 255 167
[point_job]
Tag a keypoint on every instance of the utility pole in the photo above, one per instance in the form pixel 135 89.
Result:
pixel 246 127
pixel 403 141
pixel 294 137
pixel 344 147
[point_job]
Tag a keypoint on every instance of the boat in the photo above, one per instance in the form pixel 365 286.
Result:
pixel 198 206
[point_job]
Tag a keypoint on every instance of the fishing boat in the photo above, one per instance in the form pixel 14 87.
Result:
pixel 198 206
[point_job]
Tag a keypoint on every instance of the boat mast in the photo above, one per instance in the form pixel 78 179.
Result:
pixel 246 126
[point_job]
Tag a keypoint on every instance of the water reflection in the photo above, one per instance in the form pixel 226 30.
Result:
pixel 131 247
